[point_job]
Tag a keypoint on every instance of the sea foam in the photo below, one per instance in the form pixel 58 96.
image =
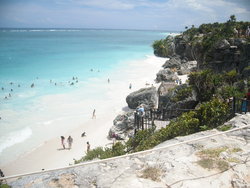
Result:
pixel 14 138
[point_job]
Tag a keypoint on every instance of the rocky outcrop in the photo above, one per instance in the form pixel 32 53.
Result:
pixel 221 55
pixel 227 55
pixel 172 99
pixel 224 55
pixel 165 87
pixel 222 45
pixel 123 126
pixel 166 75
pixel 218 161
pixel 146 96
pixel 187 67
pixel 182 66
pixel 173 62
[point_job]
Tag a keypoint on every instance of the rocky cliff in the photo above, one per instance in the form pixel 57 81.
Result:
pixel 219 161
pixel 215 46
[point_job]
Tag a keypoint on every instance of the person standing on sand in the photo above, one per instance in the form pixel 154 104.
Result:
pixel 93 115
pixel 70 141
pixel 130 86
pixel 88 147
pixel 62 141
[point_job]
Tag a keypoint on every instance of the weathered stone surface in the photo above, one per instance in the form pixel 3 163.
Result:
pixel 165 75
pixel 222 45
pixel 166 99
pixel 178 165
pixel 224 55
pixel 165 87
pixel 187 67
pixel 173 62
pixel 123 125
pixel 146 96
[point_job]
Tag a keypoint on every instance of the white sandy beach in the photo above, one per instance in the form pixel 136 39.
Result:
pixel 50 154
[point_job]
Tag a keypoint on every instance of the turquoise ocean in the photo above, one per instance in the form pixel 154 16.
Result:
pixel 55 61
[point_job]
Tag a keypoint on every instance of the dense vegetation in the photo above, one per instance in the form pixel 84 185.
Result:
pixel 216 31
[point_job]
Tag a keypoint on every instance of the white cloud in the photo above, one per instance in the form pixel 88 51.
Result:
pixel 107 4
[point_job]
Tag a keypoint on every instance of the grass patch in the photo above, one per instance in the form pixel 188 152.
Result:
pixel 212 153
pixel 233 160
pixel 206 163
pixel 152 173
pixel 234 150
pixel 222 165
pixel 210 158
pixel 224 127
pixel 4 186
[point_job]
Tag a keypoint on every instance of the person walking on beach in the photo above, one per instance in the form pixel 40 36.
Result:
pixel 88 147
pixel 108 80
pixel 93 115
pixel 130 86
pixel 63 141
pixel 70 141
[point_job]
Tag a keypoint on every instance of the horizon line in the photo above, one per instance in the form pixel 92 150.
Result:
pixel 82 28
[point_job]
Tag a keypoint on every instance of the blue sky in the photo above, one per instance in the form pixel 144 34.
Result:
pixel 119 14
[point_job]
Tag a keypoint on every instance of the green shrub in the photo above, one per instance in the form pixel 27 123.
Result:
pixel 231 77
pixel 186 124
pixel 4 186
pixel 213 113
pixel 160 48
pixel 205 84
pixel 182 94
pixel 99 153
pixel 228 91
pixel 92 154
pixel 140 137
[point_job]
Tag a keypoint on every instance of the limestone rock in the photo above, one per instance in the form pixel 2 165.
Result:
pixel 173 62
pixel 165 87
pixel 123 124
pixel 165 75
pixel 222 44
pixel 166 99
pixel 146 96
pixel 187 67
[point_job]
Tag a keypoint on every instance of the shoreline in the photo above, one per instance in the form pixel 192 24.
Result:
pixel 49 154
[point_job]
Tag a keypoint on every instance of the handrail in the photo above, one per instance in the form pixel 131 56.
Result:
pixel 123 156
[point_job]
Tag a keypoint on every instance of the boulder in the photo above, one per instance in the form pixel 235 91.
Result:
pixel 167 99
pixel 165 87
pixel 146 96
pixel 187 67
pixel 173 62
pixel 165 75
pixel 123 125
